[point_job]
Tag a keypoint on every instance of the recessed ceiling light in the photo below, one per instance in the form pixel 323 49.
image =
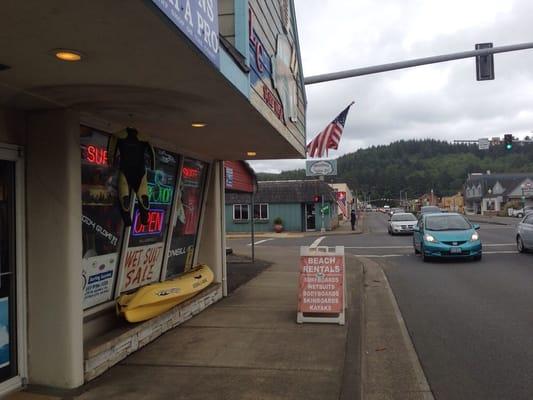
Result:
pixel 67 55
pixel 251 153
pixel 198 124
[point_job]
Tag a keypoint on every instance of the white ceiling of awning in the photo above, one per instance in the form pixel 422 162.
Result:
pixel 138 70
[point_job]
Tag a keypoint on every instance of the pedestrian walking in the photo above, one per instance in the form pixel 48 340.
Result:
pixel 353 219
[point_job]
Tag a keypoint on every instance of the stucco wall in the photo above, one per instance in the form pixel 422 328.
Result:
pixel 12 127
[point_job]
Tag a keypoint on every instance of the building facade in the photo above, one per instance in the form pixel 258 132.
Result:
pixel 491 192
pixel 202 82
pixel 345 199
pixel 301 205
pixel 453 203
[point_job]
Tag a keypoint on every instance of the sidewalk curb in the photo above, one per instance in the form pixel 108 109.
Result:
pixel 488 222
pixel 389 363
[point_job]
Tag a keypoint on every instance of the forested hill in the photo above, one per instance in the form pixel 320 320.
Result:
pixel 419 166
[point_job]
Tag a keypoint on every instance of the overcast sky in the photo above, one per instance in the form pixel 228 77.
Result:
pixel 439 101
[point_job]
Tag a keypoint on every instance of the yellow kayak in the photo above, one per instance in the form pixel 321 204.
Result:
pixel 153 300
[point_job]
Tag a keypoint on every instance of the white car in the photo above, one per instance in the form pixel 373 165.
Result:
pixel 520 212
pixel 524 234
pixel 402 223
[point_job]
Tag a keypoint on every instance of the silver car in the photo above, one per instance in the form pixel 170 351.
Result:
pixel 524 234
pixel 402 223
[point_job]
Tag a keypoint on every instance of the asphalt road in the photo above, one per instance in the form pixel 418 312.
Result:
pixel 471 322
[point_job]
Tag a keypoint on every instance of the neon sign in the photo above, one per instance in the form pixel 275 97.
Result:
pixel 96 155
pixel 190 173
pixel 154 225
pixel 159 194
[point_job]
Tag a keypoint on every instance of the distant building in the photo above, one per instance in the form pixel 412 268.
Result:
pixel 488 192
pixel 295 202
pixel 345 199
pixel 453 203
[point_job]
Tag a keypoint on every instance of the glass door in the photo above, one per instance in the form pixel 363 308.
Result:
pixel 310 217
pixel 8 303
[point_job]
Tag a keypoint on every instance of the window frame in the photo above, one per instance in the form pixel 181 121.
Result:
pixel 261 218
pixel 240 206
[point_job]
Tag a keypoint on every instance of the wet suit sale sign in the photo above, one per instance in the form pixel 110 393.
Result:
pixel 321 285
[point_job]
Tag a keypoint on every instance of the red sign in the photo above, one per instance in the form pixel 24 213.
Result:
pixel 191 173
pixel 96 155
pixel 270 99
pixel 321 284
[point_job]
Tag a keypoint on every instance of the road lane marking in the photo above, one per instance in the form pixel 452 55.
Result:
pixel 380 255
pixel 410 247
pixel 378 247
pixel 501 252
pixel 317 241
pixel 260 241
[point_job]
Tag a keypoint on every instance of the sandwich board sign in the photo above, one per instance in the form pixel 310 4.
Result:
pixel 322 285
pixel 320 167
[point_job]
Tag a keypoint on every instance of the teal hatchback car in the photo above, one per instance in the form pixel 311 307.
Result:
pixel 446 235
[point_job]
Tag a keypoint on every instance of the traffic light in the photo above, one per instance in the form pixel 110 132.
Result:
pixel 484 64
pixel 317 198
pixel 508 141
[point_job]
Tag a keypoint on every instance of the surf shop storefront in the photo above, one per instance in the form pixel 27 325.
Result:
pixel 92 243
pixel 141 265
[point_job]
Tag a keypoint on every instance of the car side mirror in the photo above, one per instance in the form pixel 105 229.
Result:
pixel 416 228
pixel 476 227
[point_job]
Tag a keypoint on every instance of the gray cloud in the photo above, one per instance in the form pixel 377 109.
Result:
pixel 441 101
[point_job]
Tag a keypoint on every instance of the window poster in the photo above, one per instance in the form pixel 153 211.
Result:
pixel 144 255
pixel 5 353
pixel 187 217
pixel 102 224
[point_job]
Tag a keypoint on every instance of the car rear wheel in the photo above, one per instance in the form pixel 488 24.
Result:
pixel 520 215
pixel 520 245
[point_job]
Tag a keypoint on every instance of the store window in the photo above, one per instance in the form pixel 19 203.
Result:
pixel 8 321
pixel 261 211
pixel 240 212
pixel 102 225
pixel 187 217
pixel 143 258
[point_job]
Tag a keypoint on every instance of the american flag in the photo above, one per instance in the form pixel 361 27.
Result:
pixel 330 137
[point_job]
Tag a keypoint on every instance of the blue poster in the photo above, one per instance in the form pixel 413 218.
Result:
pixel 4 332
pixel 198 20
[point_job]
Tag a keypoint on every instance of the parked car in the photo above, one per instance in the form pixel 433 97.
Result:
pixel 446 235
pixel 519 213
pixel 402 222
pixel 524 234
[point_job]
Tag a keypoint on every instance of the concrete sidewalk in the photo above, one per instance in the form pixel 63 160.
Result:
pixel 493 219
pixel 247 346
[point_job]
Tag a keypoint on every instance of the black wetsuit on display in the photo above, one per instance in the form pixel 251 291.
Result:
pixel 132 166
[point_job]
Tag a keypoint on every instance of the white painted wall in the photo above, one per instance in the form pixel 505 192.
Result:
pixel 54 247
pixel 212 247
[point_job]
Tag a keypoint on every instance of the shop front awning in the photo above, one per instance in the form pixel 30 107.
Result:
pixel 137 70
